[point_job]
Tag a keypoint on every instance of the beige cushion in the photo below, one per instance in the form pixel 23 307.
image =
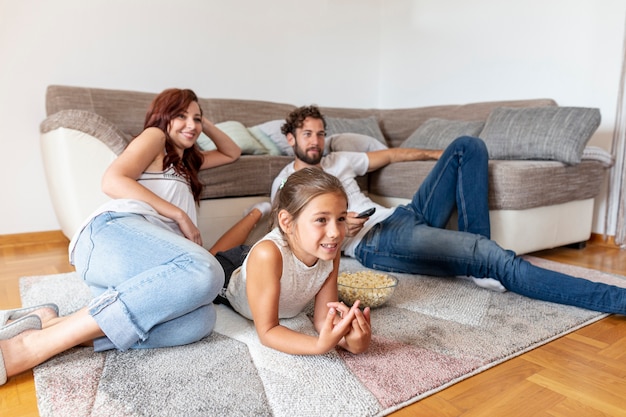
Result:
pixel 439 133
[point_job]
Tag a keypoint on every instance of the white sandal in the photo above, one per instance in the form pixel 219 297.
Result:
pixel 6 315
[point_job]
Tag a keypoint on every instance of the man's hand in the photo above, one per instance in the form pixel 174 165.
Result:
pixel 354 224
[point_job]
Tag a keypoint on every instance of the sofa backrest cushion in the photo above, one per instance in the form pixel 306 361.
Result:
pixel 127 110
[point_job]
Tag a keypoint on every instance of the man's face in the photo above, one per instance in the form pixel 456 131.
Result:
pixel 308 144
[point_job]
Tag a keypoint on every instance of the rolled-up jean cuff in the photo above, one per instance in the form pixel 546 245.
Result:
pixel 102 344
pixel 114 320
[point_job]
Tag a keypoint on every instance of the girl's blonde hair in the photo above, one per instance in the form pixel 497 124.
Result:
pixel 300 188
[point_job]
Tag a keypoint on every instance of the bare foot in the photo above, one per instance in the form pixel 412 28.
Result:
pixel 15 354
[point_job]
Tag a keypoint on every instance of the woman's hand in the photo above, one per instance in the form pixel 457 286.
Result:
pixel 190 231
pixel 227 150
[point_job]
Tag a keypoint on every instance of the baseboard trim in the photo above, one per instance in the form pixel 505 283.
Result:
pixel 22 239
pixel 58 236
pixel 603 240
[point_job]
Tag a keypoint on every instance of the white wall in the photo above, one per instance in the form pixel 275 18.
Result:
pixel 361 53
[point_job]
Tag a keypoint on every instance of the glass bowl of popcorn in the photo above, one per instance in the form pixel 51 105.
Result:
pixel 373 288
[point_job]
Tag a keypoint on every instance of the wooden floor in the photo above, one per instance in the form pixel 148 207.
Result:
pixel 581 374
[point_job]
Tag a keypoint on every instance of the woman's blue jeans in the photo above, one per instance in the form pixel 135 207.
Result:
pixel 414 239
pixel 153 287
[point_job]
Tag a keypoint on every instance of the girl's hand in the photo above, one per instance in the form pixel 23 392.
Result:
pixel 334 330
pixel 359 335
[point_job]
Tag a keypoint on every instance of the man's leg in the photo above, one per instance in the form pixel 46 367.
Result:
pixel 459 179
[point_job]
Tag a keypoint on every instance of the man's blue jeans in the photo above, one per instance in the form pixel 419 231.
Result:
pixel 153 287
pixel 413 239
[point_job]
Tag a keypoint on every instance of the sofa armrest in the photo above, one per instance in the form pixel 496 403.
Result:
pixel 74 163
pixel 92 124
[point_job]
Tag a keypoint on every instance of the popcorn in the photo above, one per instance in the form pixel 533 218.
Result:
pixel 372 288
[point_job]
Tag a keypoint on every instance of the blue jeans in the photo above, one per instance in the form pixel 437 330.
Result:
pixel 413 239
pixel 153 287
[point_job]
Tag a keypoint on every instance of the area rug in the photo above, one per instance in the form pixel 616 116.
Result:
pixel 433 333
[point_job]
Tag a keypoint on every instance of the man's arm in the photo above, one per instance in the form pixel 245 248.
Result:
pixel 379 159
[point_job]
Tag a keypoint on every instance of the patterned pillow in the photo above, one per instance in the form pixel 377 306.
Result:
pixel 439 133
pixel 554 133
pixel 367 126
pixel 272 129
pixel 239 134
pixel 352 142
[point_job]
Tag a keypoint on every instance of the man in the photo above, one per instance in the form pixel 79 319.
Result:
pixel 416 249
pixel 413 239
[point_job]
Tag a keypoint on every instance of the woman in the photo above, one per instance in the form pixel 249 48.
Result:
pixel 141 252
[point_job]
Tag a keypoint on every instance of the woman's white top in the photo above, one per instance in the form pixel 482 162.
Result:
pixel 168 185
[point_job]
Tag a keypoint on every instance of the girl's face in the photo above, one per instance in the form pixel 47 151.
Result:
pixel 185 128
pixel 320 229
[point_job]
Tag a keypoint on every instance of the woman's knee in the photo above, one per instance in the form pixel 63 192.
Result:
pixel 204 274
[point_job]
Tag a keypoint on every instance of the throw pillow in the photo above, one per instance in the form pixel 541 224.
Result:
pixel 439 133
pixel 595 153
pixel 352 142
pixel 555 133
pixel 272 129
pixel 265 140
pixel 239 134
pixel 365 126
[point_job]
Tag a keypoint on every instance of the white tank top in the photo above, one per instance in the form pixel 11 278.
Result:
pixel 166 184
pixel 298 285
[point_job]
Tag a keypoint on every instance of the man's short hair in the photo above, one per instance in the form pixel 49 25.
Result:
pixel 295 119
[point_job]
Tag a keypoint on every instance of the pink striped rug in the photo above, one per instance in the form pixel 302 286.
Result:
pixel 433 333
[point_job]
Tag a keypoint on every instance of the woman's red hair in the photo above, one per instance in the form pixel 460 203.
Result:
pixel 166 106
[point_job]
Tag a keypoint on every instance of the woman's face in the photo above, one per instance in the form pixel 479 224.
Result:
pixel 185 128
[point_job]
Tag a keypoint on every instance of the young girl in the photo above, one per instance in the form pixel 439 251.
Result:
pixel 141 252
pixel 296 262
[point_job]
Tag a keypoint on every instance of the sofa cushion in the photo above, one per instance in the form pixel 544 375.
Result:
pixel 265 140
pixel 439 133
pixel 352 142
pixel 595 153
pixel 272 129
pixel 250 175
pixel 553 133
pixel 365 126
pixel 239 134
pixel 513 185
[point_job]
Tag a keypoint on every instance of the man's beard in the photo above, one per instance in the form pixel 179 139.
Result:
pixel 304 157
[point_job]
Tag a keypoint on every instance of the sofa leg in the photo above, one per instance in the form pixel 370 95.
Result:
pixel 577 245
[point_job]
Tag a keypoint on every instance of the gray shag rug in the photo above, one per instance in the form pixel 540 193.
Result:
pixel 434 332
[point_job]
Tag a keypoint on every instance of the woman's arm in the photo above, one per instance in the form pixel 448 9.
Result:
pixel 145 152
pixel 227 151
pixel 264 271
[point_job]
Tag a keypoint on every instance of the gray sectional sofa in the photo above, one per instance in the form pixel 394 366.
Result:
pixel 536 200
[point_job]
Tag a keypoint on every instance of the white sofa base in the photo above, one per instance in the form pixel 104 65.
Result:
pixel 530 230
